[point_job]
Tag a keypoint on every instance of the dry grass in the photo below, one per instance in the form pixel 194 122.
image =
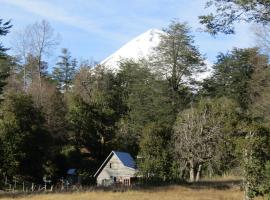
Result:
pixel 166 193
pixel 225 188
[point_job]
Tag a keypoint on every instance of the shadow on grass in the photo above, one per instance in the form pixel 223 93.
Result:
pixel 215 184
pixel 203 184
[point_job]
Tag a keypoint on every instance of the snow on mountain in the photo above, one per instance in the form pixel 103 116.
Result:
pixel 140 47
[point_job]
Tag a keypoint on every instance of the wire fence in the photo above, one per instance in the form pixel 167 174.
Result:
pixel 14 185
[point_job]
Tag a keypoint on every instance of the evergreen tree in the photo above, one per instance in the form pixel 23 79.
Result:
pixel 7 65
pixel 178 60
pixel 236 73
pixel 145 100
pixel 154 156
pixel 65 70
pixel 243 75
pixel 24 139
pixel 93 113
pixel 54 108
pixel 5 61
pixel 4 29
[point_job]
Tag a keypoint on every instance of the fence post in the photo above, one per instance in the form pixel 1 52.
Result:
pixel 62 183
pixel 32 187
pixel 23 186
pixel 15 183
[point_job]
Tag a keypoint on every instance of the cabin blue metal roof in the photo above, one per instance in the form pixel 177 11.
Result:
pixel 71 171
pixel 126 159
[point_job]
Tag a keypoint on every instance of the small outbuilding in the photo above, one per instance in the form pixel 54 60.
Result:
pixel 72 177
pixel 118 168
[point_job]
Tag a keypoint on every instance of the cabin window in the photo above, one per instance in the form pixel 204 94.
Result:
pixel 126 182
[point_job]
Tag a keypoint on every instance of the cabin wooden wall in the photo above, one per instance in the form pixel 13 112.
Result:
pixel 113 171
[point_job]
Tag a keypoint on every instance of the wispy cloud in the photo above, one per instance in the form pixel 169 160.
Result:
pixel 52 12
pixel 99 27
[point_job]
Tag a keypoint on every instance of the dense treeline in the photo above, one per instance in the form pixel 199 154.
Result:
pixel 177 127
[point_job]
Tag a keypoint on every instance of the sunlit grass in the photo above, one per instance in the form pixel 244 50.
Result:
pixel 167 193
pixel 206 190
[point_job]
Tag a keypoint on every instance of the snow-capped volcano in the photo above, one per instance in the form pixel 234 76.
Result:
pixel 142 47
pixel 139 47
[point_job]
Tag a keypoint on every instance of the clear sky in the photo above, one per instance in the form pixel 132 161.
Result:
pixel 93 29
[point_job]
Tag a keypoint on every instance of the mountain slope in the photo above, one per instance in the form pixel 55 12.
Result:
pixel 140 47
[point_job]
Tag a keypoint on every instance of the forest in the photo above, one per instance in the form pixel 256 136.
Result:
pixel 178 127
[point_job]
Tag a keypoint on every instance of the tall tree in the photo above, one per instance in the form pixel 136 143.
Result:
pixel 4 29
pixel 24 139
pixel 243 75
pixel 14 81
pixel 93 112
pixel 36 40
pixel 177 59
pixel 198 133
pixel 236 73
pixel 53 106
pixel 144 98
pixel 65 70
pixel 28 71
pixel 253 145
pixel 154 156
pixel 4 61
pixel 228 12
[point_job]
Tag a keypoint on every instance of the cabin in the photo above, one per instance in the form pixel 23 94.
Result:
pixel 118 168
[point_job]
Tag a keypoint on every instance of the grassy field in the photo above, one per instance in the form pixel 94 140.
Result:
pixel 206 190
pixel 169 193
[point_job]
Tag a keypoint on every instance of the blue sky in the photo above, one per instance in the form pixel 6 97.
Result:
pixel 93 29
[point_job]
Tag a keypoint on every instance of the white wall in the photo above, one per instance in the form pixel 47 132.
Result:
pixel 117 170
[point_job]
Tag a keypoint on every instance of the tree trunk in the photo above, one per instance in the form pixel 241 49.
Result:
pixel 39 80
pixel 246 197
pixel 24 78
pixel 246 182
pixel 181 170
pixel 191 171
pixel 247 161
pixel 198 173
pixel 39 72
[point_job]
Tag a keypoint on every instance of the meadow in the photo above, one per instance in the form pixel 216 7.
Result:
pixel 168 193
pixel 206 190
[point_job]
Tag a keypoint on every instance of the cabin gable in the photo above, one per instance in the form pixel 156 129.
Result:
pixel 114 171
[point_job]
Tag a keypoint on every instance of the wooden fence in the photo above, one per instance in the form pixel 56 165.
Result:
pixel 14 185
